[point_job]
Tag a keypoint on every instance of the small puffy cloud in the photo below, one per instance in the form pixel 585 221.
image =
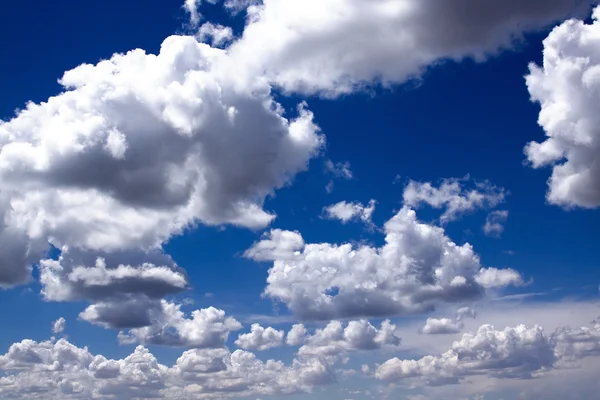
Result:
pixel 518 352
pixel 453 196
pixel 276 245
pixel 498 278
pixel 335 340
pixel 59 325
pixel 567 87
pixel 347 212
pixel 442 326
pixel 260 338
pixel 169 326
pixel 417 268
pixel 446 326
pixel 494 223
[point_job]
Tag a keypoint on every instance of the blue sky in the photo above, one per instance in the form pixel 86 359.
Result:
pixel 442 107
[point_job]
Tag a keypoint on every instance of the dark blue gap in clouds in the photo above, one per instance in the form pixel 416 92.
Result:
pixel 465 118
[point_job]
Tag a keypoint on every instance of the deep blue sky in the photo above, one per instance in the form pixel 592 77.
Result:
pixel 449 125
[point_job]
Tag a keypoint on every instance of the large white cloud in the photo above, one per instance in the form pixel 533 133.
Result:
pixel 335 46
pixel 417 268
pixel 567 87
pixel 139 147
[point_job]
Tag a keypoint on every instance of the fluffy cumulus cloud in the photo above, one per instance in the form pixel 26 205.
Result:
pixel 169 326
pixel 346 212
pixel 335 46
pixel 60 370
pixel 260 338
pixel 336 340
pixel 567 87
pixel 417 268
pixel 514 352
pixel 140 146
pixel 454 196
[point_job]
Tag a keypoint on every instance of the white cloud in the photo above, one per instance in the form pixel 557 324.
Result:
pixel 59 325
pixel 497 278
pixel 347 212
pixel 335 340
pixel 207 328
pixel 297 335
pixel 260 338
pixel 446 326
pixel 453 196
pixel 335 46
pixel 442 326
pixel 417 268
pixel 276 245
pixel 513 352
pixel 149 145
pixel 519 352
pixel 567 87
pixel 60 370
pixel 494 223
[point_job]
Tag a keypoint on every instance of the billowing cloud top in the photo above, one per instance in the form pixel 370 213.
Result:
pixel 418 267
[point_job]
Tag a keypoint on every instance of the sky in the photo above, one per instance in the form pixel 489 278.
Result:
pixel 317 199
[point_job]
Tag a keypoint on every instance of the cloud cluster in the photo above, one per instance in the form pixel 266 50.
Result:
pixel 515 352
pixel 453 196
pixel 122 295
pixel 567 87
pixel 417 268
pixel 60 370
